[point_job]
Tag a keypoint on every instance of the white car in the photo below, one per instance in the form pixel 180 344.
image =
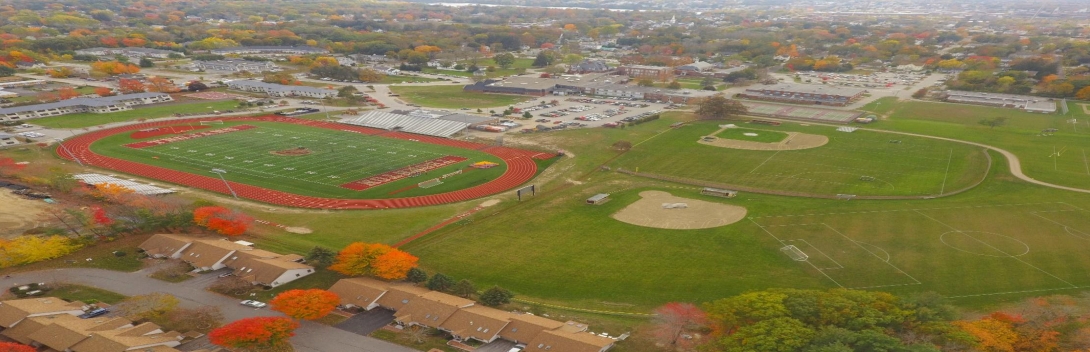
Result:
pixel 253 303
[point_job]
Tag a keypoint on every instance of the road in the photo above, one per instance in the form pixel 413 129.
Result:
pixel 310 337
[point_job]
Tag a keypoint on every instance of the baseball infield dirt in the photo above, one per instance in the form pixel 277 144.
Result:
pixel 18 214
pixel 649 212
pixel 794 141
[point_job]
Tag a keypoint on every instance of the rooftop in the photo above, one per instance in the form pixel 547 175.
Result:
pixel 93 102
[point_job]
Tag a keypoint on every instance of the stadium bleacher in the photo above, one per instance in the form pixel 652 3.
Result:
pixel 409 123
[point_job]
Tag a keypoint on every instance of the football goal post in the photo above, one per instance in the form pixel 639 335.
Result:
pixel 794 252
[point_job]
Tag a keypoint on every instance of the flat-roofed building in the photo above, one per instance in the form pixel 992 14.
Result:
pixel 236 66
pixel 1012 101
pixel 269 50
pixel 642 71
pixel 805 94
pixel 80 105
pixel 280 90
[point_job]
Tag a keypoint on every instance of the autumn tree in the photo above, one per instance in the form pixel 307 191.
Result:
pixel 674 85
pixel 1083 94
pixel 232 285
pixel 150 306
pixel 113 68
pixel 673 321
pixel 305 304
pixel 30 249
pixel 376 259
pixel 393 265
pixel 129 86
pixel 104 91
pixel 496 296
pixel 717 107
pixel 9 165
pixel 161 84
pixel 16 347
pixel 60 72
pixel 67 92
pixel 201 319
pixel 255 334
pixel 645 82
pixel 222 220
pixel 370 76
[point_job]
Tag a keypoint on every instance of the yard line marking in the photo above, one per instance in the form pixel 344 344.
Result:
pixel 807 262
pixel 997 249
pixel 1013 292
pixel 763 162
pixel 878 286
pixel 857 243
pixel 914 209
pixel 822 253
pixel 1082 235
pixel 1084 162
pixel 947 174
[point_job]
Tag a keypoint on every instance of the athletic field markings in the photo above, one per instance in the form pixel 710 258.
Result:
pixel 838 265
pixel 1023 291
pixel 1082 235
pixel 1085 163
pixel 763 162
pixel 913 209
pixel 947 174
pixel 857 243
pixel 807 262
pixel 997 249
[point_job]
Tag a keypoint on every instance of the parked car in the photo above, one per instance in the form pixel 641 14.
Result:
pixel 94 313
pixel 226 275
pixel 253 303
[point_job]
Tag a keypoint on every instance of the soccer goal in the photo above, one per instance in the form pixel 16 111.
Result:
pixel 795 253
pixel 211 122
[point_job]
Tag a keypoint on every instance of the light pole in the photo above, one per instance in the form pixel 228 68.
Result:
pixel 220 172
pixel 60 142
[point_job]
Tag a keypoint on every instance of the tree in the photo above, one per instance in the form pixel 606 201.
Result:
pixel 356 258
pixel 202 319
pixel 674 320
pixel 370 76
pixel 66 93
pixel 718 107
pixel 994 122
pixel 30 249
pixel 150 306
pixel 305 304
pixel 255 334
pixel 496 296
pixel 645 82
pixel 440 282
pixel 707 82
pixel 16 347
pixel 146 62
pixel 543 59
pixel 231 285
pixel 527 115
pixel 321 257
pixel 1083 94
pixel 416 276
pixel 222 220
pixel 919 94
pixel 674 85
pixel 505 60
pixel 464 288
pixel 113 68
pixel 6 71
pixel 394 265
pixel 347 91
pixel 161 84
pixel 196 86
pixel 129 86
pixel 104 91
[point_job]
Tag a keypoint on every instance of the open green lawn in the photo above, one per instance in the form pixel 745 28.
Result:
pixel 86 294
pixel 452 97
pixel 461 73
pixel 150 112
pixel 388 79
pixel 1062 157
pixel 335 158
pixel 763 136
pixel 860 163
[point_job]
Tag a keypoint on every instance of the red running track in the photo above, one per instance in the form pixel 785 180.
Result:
pixel 520 168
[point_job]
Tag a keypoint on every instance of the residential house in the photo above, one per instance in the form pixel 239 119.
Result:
pixel 476 322
pixel 430 309
pixel 64 331
pixel 359 292
pixel 257 266
pixel 12 312
pixel 568 341
pixel 266 268
pixel 399 295
pixel 525 327
pixel 79 105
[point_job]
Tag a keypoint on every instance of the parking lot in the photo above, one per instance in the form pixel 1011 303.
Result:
pixel 878 80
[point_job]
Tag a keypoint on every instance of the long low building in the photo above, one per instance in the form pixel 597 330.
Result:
pixel 270 50
pixel 593 84
pixel 257 266
pixel 79 105
pixel 465 320
pixel 1024 102
pixel 418 123
pixel 280 90
pixel 52 324
pixel 130 52
pixel 805 94
pixel 236 66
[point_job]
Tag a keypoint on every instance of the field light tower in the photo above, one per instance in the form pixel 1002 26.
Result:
pixel 220 172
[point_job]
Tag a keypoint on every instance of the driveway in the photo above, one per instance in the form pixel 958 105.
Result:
pixel 310 337
pixel 367 322
pixel 496 346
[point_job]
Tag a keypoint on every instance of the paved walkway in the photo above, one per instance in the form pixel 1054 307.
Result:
pixel 310 337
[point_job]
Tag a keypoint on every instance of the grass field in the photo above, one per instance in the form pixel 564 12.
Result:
pixel 763 136
pixel 335 158
pixel 1062 157
pixel 151 112
pixel 452 97
pixel 860 163
pixel 388 79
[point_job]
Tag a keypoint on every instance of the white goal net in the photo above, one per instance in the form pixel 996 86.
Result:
pixel 794 253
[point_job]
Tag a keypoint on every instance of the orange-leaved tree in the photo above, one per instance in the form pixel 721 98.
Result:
pixel 256 334
pixel 129 86
pixel 161 84
pixel 393 265
pixel 67 93
pixel 222 220
pixel 305 304
pixel 104 91
pixel 16 347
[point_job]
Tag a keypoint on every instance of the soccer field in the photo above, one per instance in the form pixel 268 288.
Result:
pixel 308 161
pixel 858 163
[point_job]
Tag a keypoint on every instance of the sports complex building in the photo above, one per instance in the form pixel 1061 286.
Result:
pixel 77 105
pixel 594 84
pixel 1024 102
pixel 280 90
pixel 805 94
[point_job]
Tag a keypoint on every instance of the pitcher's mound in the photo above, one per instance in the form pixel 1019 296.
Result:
pixel 661 210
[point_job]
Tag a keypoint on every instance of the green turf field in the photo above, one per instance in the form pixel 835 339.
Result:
pixel 452 97
pixel 763 136
pixel 859 163
pixel 150 112
pixel 335 158
pixel 1062 157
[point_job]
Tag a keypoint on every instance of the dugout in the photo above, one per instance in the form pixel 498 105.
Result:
pixel 719 192
pixel 598 199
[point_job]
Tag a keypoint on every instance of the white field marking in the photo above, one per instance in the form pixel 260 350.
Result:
pixel 800 178
pixel 888 257
pixel 816 223
pixel 823 273
pixel 807 262
pixel 914 209
pixel 998 250
pixel 763 162
pixel 1085 163
pixel 879 286
pixel 1070 205
pixel 1013 292
pixel 839 266
pixel 650 138
pixel 947 174
pixel 1081 235
pixel 857 243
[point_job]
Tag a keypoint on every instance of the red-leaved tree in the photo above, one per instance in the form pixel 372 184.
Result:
pixel 305 304
pixel 675 321
pixel 9 165
pixel 15 347
pixel 100 216
pixel 255 334
pixel 222 220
